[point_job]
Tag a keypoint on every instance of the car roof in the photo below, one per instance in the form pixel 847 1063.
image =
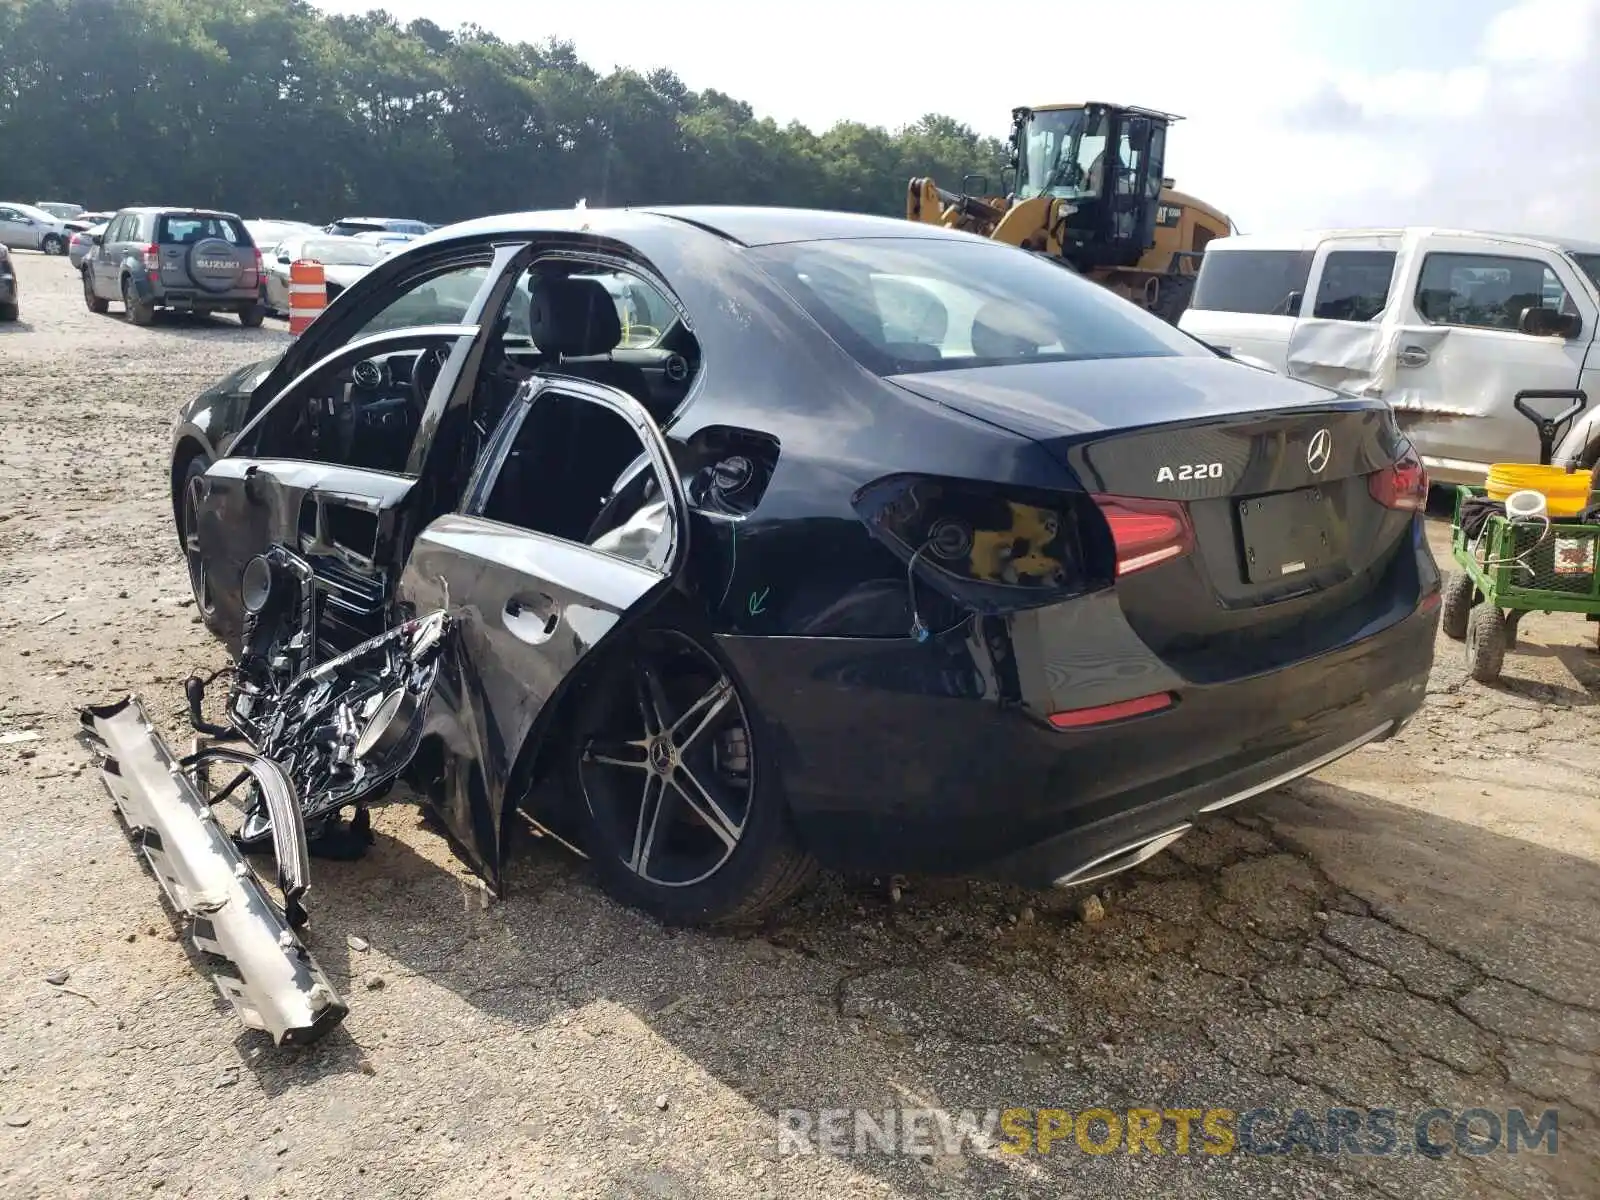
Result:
pixel 1310 239
pixel 762 226
pixel 744 225
pixel 180 208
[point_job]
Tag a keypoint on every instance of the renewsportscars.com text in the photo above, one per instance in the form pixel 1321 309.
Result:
pixel 1432 1132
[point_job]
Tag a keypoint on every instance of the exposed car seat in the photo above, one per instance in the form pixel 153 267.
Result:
pixel 577 319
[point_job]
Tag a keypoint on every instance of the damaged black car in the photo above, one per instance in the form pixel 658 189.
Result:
pixel 776 538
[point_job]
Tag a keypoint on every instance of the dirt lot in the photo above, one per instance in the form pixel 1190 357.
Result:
pixel 1415 928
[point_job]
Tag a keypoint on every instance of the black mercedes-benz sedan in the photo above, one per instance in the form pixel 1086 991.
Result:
pixel 779 537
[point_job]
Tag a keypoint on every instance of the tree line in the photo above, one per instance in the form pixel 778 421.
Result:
pixel 272 108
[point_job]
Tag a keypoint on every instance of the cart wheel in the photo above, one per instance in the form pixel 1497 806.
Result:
pixel 1459 593
pixel 1486 643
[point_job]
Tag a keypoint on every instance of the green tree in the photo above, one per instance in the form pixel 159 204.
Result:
pixel 271 108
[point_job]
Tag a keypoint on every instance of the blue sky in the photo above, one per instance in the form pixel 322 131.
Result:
pixel 1299 112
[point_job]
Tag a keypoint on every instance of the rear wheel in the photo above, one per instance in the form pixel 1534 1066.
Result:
pixel 252 317
pixel 139 314
pixel 1486 643
pixel 682 816
pixel 188 532
pixel 1456 605
pixel 53 244
pixel 10 312
pixel 90 300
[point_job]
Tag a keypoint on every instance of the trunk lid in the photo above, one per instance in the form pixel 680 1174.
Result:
pixel 1292 553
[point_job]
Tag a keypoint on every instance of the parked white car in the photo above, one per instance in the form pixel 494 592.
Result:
pixel 1447 325
pixel 24 227
pixel 344 260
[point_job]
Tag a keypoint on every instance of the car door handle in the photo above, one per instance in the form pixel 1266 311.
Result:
pixel 533 618
pixel 1413 356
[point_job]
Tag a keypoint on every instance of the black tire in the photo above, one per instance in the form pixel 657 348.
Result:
pixel 1456 605
pixel 708 879
pixel 92 302
pixel 138 314
pixel 10 312
pixel 189 543
pixel 53 244
pixel 1486 643
pixel 252 317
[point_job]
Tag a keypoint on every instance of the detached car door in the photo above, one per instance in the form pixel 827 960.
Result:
pixel 328 469
pixel 535 585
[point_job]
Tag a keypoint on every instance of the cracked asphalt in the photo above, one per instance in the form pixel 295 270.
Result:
pixel 1414 928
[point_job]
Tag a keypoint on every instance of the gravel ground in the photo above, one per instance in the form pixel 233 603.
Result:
pixel 1414 928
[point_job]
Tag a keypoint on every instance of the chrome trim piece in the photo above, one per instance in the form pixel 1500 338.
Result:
pixel 1124 858
pixel 1134 853
pixel 270 977
pixel 1294 773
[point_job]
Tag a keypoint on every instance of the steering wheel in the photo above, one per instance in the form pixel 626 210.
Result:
pixel 425 374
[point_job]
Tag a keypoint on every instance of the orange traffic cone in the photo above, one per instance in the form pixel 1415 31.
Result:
pixel 308 294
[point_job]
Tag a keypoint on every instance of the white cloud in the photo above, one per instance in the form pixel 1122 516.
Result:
pixel 1541 31
pixel 1498 142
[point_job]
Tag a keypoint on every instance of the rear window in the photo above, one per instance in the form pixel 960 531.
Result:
pixel 1263 282
pixel 177 228
pixel 903 305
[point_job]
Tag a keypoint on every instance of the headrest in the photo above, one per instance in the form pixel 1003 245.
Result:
pixel 572 317
pixel 1002 331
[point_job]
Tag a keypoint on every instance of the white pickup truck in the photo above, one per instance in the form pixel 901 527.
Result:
pixel 1447 325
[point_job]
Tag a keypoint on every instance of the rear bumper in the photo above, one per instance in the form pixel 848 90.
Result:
pixel 900 757
pixel 200 301
pixel 268 975
pixel 8 289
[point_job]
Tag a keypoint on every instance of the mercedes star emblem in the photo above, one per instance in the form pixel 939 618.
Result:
pixel 1320 450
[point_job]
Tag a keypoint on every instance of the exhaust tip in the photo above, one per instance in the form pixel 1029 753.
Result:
pixel 1123 859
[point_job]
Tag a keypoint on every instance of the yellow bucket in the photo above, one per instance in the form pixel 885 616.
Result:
pixel 1566 494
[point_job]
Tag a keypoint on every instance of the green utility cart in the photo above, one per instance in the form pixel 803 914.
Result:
pixel 1511 567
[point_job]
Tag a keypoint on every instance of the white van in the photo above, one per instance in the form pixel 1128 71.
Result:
pixel 1447 325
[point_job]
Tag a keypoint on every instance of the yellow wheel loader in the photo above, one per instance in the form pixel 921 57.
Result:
pixel 1087 189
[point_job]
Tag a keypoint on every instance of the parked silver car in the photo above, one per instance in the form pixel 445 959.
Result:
pixel 81 244
pixel 24 227
pixel 60 209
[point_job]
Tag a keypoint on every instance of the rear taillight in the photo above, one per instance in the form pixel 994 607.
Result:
pixel 993 548
pixel 1146 532
pixel 1403 484
pixel 258 262
pixel 152 258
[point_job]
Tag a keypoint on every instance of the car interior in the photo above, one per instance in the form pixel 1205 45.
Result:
pixel 602 325
pixel 560 478
pixel 363 414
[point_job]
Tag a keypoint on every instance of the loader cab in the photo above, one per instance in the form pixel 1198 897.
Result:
pixel 1106 161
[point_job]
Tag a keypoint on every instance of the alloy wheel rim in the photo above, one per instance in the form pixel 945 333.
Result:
pixel 191 547
pixel 672 776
